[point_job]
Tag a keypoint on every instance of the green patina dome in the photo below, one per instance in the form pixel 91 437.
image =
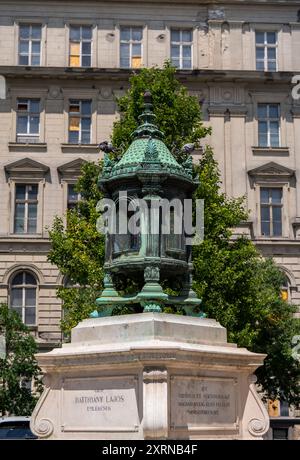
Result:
pixel 138 152
pixel 147 152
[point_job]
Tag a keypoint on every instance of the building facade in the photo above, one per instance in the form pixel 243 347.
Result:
pixel 64 65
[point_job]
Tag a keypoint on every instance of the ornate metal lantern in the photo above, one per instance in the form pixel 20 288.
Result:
pixel 147 181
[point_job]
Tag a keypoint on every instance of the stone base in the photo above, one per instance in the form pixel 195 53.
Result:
pixel 149 376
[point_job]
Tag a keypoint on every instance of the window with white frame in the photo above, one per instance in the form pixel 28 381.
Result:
pixel 266 51
pixel 80 121
pixel 28 120
pixel 73 196
pixel 80 54
pixel 181 48
pixel 26 208
pixel 131 47
pixel 30 44
pixel 271 211
pixel 23 296
pixel 268 125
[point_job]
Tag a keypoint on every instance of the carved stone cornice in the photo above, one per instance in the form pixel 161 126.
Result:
pixel 71 169
pixel 270 171
pixel 26 168
pixel 229 110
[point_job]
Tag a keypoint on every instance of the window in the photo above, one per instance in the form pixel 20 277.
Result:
pixel 266 51
pixel 285 289
pixel 131 47
pixel 268 125
pixel 26 204
pixel 80 46
pixel 271 211
pixel 73 196
pixel 30 44
pixel 23 295
pixel 181 48
pixel 28 120
pixel 80 117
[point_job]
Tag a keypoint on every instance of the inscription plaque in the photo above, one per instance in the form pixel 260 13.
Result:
pixel 100 404
pixel 202 401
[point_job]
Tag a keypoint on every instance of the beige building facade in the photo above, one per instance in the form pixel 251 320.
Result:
pixel 65 63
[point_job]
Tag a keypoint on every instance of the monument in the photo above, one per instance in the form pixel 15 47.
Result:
pixel 148 375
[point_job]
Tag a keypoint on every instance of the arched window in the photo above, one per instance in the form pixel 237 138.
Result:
pixel 23 295
pixel 285 289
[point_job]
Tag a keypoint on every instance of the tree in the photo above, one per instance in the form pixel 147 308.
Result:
pixel 242 290
pixel 78 251
pixel 177 112
pixel 77 248
pixel 238 287
pixel 18 366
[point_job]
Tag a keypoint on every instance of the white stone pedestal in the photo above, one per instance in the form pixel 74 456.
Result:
pixel 149 376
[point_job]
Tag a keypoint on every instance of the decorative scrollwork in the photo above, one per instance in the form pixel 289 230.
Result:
pixel 256 427
pixel 151 273
pixel 44 428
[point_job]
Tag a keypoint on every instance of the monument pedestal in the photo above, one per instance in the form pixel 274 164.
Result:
pixel 149 376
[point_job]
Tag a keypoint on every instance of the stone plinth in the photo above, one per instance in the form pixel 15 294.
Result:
pixel 149 376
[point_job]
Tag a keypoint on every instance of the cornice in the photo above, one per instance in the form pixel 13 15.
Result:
pixel 116 74
pixel 188 2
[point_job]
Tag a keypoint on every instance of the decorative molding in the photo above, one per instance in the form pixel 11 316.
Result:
pixel 71 170
pixel 105 93
pixel 271 151
pixel 289 274
pixel 55 92
pixel 152 374
pixel 80 148
pixel 231 110
pixel 17 267
pixel 155 403
pixel 42 427
pixel 271 171
pixel 237 111
pixel 216 111
pixel 26 168
pixel 257 427
pixel 31 147
pixel 151 273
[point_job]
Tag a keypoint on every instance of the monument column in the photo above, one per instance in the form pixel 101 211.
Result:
pixel 155 407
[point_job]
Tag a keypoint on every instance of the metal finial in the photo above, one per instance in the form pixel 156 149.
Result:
pixel 147 97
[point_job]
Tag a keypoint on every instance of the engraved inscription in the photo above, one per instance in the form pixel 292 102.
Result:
pixel 92 403
pixel 100 404
pixel 202 401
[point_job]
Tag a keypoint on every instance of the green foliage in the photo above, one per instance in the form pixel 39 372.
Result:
pixel 241 290
pixel 77 247
pixel 78 250
pixel 178 114
pixel 18 365
pixel 238 287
